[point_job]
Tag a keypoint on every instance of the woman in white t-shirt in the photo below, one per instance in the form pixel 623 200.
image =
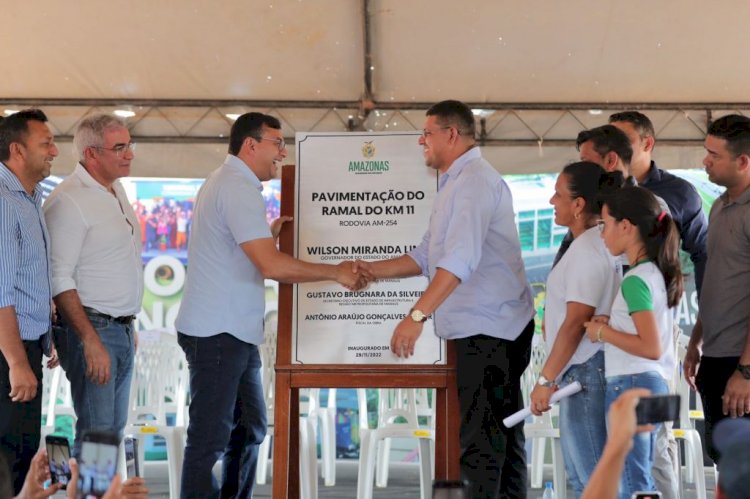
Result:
pixel 638 344
pixel 582 283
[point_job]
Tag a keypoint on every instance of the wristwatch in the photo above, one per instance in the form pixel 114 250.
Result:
pixel 542 381
pixel 744 370
pixel 418 315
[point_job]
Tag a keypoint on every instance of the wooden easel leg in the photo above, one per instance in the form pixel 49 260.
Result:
pixel 281 472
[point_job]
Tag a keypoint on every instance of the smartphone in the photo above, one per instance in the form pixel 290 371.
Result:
pixel 131 456
pixel 97 464
pixel 646 495
pixel 657 409
pixel 450 489
pixel 58 455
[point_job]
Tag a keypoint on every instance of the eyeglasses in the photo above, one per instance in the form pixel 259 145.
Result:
pixel 119 149
pixel 600 224
pixel 280 142
pixel 426 133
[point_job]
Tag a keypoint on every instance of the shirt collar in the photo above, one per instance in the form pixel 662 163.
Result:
pixel 653 174
pixel 743 198
pixel 236 164
pixel 9 178
pixel 458 165
pixel 12 183
pixel 86 179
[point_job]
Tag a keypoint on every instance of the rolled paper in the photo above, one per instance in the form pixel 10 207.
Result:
pixel 562 392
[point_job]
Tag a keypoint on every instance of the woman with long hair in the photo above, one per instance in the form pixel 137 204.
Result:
pixel 638 337
pixel 582 283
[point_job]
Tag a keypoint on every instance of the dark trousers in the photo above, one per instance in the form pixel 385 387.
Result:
pixel 489 372
pixel 20 423
pixel 713 374
pixel 227 416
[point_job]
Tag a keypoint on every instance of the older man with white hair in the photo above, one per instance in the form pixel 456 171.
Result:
pixel 97 275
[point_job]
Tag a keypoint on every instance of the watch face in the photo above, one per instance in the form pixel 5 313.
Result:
pixel 418 316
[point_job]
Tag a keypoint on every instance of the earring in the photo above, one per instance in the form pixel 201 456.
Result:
pixel 577 216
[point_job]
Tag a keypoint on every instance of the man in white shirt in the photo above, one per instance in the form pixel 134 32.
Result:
pixel 97 275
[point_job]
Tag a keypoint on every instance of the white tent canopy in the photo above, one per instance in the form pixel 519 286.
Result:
pixel 537 67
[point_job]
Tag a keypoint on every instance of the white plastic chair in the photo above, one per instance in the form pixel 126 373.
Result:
pixel 387 427
pixel 56 399
pixel 399 398
pixel 307 423
pixel 327 425
pixel 159 387
pixel 694 469
pixel 308 438
pixel 308 460
pixel 268 379
pixel 542 428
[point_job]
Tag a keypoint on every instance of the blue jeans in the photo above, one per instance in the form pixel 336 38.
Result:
pixel 227 416
pixel 98 407
pixel 637 472
pixel 583 421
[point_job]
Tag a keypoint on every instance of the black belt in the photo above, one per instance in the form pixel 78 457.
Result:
pixel 125 319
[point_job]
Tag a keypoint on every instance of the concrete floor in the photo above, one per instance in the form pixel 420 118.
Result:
pixel 403 483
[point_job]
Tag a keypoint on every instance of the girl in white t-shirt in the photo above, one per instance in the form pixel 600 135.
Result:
pixel 638 345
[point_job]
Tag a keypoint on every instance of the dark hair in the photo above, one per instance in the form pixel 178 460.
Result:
pixel 735 129
pixel 640 122
pixel 587 180
pixel 605 139
pixel 657 230
pixel 15 128
pixel 454 113
pixel 250 125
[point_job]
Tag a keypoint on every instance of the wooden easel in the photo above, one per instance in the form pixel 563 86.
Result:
pixel 291 377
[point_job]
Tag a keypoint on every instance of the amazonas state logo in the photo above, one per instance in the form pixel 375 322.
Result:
pixel 368 150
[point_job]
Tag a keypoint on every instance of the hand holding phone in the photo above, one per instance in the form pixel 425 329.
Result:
pixel 131 456
pixel 58 455
pixel 657 409
pixel 98 463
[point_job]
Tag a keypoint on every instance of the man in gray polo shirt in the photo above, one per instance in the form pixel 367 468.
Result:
pixel 220 323
pixel 722 373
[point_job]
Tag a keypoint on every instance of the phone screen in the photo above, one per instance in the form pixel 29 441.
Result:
pixel 58 454
pixel 657 409
pixel 97 467
pixel 131 456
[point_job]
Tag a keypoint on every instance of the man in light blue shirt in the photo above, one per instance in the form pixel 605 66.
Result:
pixel 478 295
pixel 27 149
pixel 220 323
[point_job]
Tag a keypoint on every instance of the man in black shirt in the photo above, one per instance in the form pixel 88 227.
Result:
pixel 683 200
pixel 686 208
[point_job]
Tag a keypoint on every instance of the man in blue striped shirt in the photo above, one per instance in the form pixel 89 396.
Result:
pixel 27 149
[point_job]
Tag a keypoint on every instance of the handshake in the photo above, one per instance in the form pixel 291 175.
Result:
pixel 355 275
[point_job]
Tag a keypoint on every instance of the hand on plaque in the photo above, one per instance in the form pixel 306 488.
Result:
pixel 277 224
pixel 405 336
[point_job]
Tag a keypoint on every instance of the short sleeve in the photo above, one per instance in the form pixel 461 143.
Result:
pixel 67 232
pixel 588 277
pixel 243 210
pixel 637 294
pixel 9 253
